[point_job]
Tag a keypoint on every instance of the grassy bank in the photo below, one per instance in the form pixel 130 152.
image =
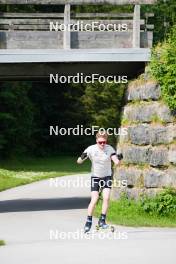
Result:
pixel 26 170
pixel 131 213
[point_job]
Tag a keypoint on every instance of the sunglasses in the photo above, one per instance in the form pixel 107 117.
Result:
pixel 102 142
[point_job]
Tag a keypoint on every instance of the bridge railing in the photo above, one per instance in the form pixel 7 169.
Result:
pixel 32 30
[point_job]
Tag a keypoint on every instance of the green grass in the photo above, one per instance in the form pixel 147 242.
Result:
pixel 130 213
pixel 26 170
pixel 2 243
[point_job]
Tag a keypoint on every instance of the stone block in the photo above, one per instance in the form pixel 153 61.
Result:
pixel 124 138
pixel 131 175
pixel 153 156
pixel 159 157
pixel 145 134
pixel 135 193
pixel 143 91
pixel 172 154
pixel 170 179
pixel 147 112
pixel 136 155
pixel 153 178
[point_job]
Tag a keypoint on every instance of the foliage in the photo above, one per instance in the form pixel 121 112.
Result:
pixel 16 118
pixel 103 103
pixel 163 68
pixel 58 105
pixel 103 8
pixel 163 203
pixel 157 211
pixel 164 17
pixel 28 109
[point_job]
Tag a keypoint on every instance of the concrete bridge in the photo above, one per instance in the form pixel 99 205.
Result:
pixel 33 45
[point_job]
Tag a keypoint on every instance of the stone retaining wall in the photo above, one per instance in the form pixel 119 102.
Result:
pixel 149 148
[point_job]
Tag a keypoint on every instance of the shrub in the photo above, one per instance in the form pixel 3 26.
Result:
pixel 163 203
pixel 163 68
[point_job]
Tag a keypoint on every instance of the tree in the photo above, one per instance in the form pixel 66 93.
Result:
pixel 103 104
pixel 164 17
pixel 16 118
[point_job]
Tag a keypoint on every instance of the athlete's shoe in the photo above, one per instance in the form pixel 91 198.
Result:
pixel 102 223
pixel 87 226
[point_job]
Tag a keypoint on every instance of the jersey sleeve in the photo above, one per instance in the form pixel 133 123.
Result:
pixel 111 151
pixel 88 151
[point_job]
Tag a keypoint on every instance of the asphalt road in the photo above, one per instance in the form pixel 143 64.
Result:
pixel 42 223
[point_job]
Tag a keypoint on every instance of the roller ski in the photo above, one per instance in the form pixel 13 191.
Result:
pixel 105 227
pixel 102 225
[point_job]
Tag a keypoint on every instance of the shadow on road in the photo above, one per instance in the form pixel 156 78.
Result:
pixel 21 205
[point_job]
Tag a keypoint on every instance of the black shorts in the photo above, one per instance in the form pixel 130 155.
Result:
pixel 100 183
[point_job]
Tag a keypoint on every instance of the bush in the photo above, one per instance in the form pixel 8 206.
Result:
pixel 163 68
pixel 163 203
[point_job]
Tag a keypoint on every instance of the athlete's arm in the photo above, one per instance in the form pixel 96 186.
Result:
pixel 116 158
pixel 83 157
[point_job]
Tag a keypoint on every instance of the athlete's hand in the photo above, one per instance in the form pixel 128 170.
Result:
pixel 120 156
pixel 115 160
pixel 79 160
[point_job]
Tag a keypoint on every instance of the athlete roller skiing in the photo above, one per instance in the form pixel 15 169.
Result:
pixel 101 154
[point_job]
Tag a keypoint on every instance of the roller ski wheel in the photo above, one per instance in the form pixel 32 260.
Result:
pixel 105 227
pixel 112 229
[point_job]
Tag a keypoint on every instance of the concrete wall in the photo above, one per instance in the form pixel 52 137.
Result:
pixel 82 40
pixel 149 149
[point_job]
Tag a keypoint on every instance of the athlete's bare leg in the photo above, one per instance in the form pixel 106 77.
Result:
pixel 94 199
pixel 106 197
